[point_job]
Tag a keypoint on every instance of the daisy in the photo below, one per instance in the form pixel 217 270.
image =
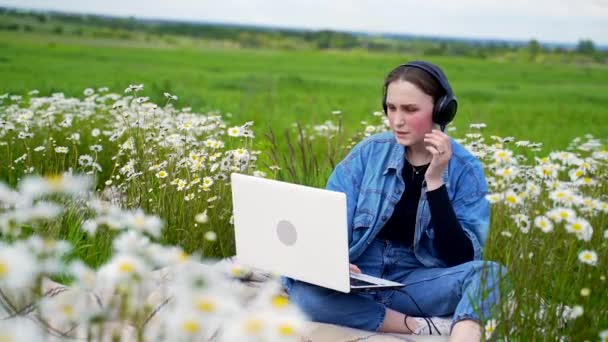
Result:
pixel 581 228
pixel 543 223
pixel 490 328
pixel 561 214
pixel 494 198
pixel 576 312
pixel 512 199
pixel 588 257
pixel 61 149
pixel 141 222
pixel 234 131
pixel 96 148
pixel 202 217
pixel 503 156
pixel 18 267
pixel 210 236
pixel 604 336
pixel 477 125
pixel 161 174
pixel 85 160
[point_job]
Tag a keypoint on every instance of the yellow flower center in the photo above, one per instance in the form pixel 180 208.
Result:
pixel 126 267
pixel 280 301
pixel 67 310
pixel 237 272
pixel 6 338
pixel 577 227
pixel 563 215
pixel 183 256
pixel 511 199
pixel 55 180
pixel 587 257
pixel 253 326
pixel 3 269
pixel 191 326
pixel 205 305
pixel 286 330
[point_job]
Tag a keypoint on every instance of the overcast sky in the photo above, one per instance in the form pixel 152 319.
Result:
pixel 564 21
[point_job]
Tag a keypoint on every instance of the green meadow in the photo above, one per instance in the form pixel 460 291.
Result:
pixel 552 103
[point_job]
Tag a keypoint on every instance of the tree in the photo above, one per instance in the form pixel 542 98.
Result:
pixel 533 48
pixel 586 47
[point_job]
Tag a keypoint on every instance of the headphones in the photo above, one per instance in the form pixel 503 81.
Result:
pixel 445 107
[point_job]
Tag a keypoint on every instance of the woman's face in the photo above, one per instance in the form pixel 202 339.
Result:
pixel 409 111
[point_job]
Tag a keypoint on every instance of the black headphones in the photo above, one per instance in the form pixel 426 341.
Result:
pixel 445 107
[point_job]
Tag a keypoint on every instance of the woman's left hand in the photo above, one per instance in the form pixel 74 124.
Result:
pixel 440 146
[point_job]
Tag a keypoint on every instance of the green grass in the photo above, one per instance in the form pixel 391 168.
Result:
pixel 549 102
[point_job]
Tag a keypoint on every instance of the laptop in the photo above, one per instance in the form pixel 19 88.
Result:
pixel 296 231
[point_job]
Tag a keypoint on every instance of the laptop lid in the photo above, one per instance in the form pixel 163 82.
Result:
pixel 292 230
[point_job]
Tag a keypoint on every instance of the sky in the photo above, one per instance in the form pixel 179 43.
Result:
pixel 557 21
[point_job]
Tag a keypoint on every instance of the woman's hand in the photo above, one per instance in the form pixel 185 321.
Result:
pixel 440 146
pixel 354 269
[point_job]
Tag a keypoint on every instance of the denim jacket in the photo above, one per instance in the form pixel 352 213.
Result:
pixel 370 176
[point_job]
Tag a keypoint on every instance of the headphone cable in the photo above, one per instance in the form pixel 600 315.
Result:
pixel 424 316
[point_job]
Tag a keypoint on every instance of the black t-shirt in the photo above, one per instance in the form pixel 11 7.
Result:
pixel 451 242
pixel 401 225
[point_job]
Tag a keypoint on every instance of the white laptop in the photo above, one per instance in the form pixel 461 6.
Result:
pixel 296 231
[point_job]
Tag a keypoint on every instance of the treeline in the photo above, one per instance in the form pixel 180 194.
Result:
pixel 98 26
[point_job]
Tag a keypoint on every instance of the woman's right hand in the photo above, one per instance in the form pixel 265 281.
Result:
pixel 354 268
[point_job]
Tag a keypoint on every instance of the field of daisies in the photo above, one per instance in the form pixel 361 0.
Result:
pixel 109 193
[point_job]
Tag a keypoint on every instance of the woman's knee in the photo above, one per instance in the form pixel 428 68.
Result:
pixel 314 301
pixel 489 274
pixel 329 306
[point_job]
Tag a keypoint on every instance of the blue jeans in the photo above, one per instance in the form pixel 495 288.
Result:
pixel 454 291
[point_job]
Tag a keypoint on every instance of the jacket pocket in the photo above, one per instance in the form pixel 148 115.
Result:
pixel 362 222
pixel 363 218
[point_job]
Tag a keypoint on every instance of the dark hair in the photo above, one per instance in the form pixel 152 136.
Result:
pixel 420 78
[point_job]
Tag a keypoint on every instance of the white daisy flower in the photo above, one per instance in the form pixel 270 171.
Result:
pixel 588 257
pixel 581 227
pixel 18 267
pixel 61 149
pixel 604 335
pixel 96 148
pixel 543 223
pixel 141 222
pixel 202 217
pixel 211 235
pixel 576 312
pixel 234 131
pixel 490 328
pixel 561 214
pixel 512 199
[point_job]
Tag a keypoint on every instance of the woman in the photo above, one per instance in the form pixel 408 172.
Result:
pixel 417 214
